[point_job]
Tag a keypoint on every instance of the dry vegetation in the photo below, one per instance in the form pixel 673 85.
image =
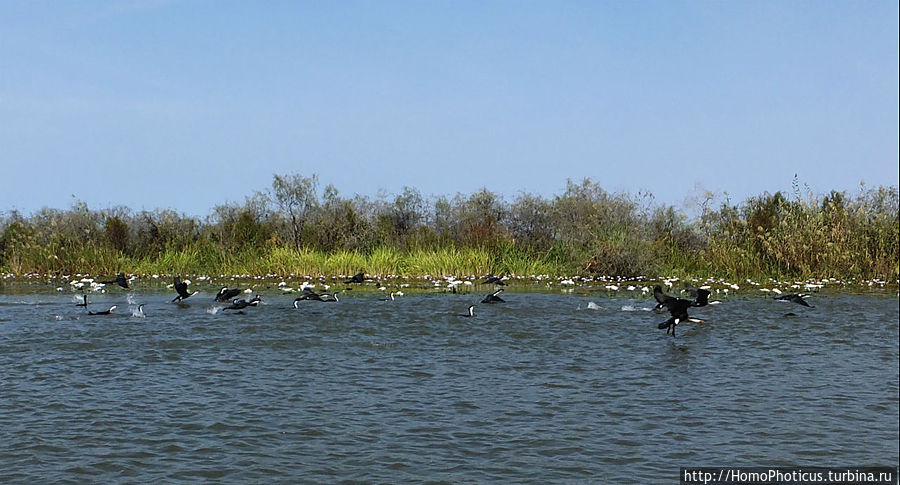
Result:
pixel 295 228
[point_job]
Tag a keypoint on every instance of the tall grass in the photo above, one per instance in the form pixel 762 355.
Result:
pixel 583 231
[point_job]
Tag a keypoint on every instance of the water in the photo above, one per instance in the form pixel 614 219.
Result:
pixel 544 388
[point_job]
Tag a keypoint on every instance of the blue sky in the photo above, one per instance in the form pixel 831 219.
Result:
pixel 189 104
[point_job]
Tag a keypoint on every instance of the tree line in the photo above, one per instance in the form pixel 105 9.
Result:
pixel 584 230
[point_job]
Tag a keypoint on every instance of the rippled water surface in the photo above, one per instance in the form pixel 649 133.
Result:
pixel 546 387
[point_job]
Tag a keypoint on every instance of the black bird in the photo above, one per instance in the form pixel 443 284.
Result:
pixel 665 301
pixel 389 298
pixel 493 298
pixel 677 308
pixel 312 296
pixel 309 294
pixel 240 304
pixel 357 278
pixel 105 312
pixel 794 298
pixel 120 280
pixel 471 312
pixel 672 322
pixel 181 288
pixel 701 296
pixel 225 294
pixel 84 303
pixel 493 280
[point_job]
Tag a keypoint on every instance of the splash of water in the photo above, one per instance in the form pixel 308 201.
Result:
pixel 632 308
pixel 130 299
pixel 592 306
pixel 212 310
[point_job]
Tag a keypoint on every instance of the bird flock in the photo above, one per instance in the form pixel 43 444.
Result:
pixel 676 307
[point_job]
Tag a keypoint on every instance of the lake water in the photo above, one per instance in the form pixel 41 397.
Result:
pixel 546 387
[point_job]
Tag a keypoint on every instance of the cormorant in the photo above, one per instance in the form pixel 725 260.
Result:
pixel 493 280
pixel 357 278
pixel 181 288
pixel 105 312
pixel 493 298
pixel 677 308
pixel 795 298
pixel 471 312
pixel 225 294
pixel 120 280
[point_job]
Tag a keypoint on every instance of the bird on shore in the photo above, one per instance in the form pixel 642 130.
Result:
pixel 120 280
pixel 226 294
pixel 181 288
pixel 104 312
pixel 357 278
pixel 493 298
pixel 794 298
pixel 471 312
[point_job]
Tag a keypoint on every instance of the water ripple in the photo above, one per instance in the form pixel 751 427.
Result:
pixel 534 390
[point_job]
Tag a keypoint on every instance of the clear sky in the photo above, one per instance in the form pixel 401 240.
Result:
pixel 190 104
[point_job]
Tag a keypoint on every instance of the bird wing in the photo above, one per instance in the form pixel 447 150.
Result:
pixel 799 299
pixel 121 281
pixel 181 287
pixel 701 298
pixel 661 297
pixel 678 307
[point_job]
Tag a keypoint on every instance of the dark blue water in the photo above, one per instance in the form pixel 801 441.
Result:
pixel 539 389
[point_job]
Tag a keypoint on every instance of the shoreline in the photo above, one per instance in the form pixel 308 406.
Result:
pixel 605 286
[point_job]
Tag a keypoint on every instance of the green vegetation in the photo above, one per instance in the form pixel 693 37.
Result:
pixel 292 228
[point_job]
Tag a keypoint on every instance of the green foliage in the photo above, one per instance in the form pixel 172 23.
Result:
pixel 116 234
pixel 293 230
